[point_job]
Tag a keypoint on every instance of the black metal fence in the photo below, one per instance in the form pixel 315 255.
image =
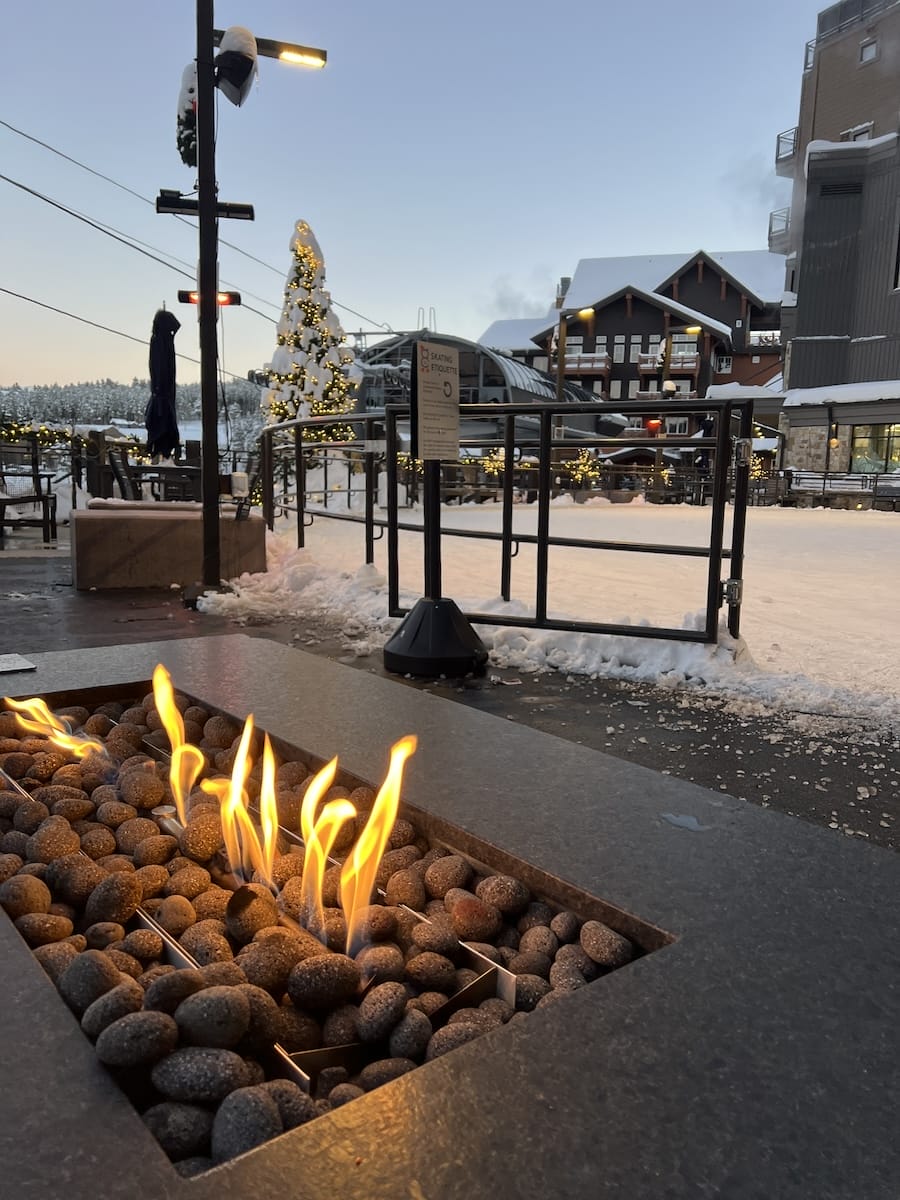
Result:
pixel 721 474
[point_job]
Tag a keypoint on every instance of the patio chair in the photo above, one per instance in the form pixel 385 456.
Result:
pixel 25 484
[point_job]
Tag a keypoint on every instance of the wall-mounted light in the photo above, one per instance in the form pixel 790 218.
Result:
pixel 585 314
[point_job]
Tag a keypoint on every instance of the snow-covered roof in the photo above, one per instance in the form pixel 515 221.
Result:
pixel 760 271
pixel 740 391
pixel 672 306
pixel 513 335
pixel 844 393
pixel 820 147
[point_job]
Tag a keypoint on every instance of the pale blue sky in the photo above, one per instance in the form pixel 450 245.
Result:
pixel 460 157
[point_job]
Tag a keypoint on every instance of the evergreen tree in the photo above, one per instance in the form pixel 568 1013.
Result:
pixel 308 372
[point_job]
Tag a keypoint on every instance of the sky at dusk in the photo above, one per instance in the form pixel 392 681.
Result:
pixel 456 157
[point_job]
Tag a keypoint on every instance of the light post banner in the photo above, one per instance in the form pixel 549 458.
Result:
pixel 437 377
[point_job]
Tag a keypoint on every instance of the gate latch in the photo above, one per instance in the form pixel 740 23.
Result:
pixel 733 591
pixel 742 452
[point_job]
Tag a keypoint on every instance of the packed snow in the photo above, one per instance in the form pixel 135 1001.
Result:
pixel 818 622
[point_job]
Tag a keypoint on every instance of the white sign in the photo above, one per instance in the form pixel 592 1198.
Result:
pixel 438 401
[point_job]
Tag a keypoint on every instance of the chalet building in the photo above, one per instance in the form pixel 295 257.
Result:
pixel 632 325
pixel 841 233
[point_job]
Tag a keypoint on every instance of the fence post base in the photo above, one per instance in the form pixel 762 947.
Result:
pixel 435 639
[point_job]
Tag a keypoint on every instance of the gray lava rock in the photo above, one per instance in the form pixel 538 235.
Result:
pixel 539 939
pixel 323 981
pixel 294 1106
pixel 431 972
pixel 24 894
pixel 246 1118
pixel 373 1075
pixel 529 990
pixel 187 1168
pixel 167 991
pixel 572 955
pixel 199 1074
pixel 264 1025
pixel 339 1027
pixel 343 1093
pixel 411 1035
pixel 474 1016
pixel 88 977
pixel 115 898
pixel 566 977
pixel 566 926
pixel 222 974
pixel 382 964
pixel 215 1016
pixel 297 1030
pixel 251 908
pixel 530 963
pixel 40 929
pixel 380 1010
pixel 606 947
pixel 125 997
pixel 450 1038
pixel 504 892
pixel 268 963
pixel 183 1130
pixel 137 1039
pixel 427 1002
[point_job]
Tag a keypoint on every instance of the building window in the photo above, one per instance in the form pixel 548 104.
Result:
pixel 875 449
pixel 635 423
pixel 652 386
pixel 683 387
pixel 676 426
pixel 541 363
pixel 724 364
pixel 615 389
pixel 633 385
pixel 619 348
pixel 634 352
pixel 574 346
pixel 868 50
pixel 600 343
pixel 598 387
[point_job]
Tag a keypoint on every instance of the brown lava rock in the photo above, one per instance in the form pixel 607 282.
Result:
pixel 529 990
pixel 504 892
pixel 152 880
pixel 73 808
pixel 220 732
pixel 189 882
pixel 566 926
pixel 476 920
pixel 113 812
pixel 375 1074
pixel 137 1039
pixel 323 981
pixel 199 1074
pixel 431 972
pixel 530 962
pixel 251 908
pixel 115 898
pixel 382 963
pixel 206 942
pixel 73 877
pixel 132 832
pixel 9 865
pixel 40 929
pixel 103 933
pixel 537 913
pixel 54 838
pixel 141 789
pixel 405 887
pixel 24 894
pixel 452 871
pixel 202 835
pixel 212 904
pixel 55 957
pixel 437 936
pixel 98 842
pixel 540 939
pixel 143 944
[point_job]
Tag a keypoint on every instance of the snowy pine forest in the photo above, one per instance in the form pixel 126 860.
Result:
pixel 104 401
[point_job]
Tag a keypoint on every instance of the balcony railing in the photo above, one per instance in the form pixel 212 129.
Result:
pixel 587 364
pixel 648 364
pixel 786 152
pixel 780 230
pixel 685 363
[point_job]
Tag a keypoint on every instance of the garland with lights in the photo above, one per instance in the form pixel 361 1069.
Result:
pixel 584 469
pixel 309 370
pixel 17 431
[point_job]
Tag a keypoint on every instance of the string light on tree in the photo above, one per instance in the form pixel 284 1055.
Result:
pixel 311 373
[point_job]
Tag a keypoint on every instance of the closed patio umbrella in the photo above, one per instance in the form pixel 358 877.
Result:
pixel 160 416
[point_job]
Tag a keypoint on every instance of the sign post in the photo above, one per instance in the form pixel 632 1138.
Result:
pixel 435 637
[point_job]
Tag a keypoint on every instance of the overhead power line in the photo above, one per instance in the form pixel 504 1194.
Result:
pixel 144 199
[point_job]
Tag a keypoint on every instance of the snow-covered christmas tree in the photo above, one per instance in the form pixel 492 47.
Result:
pixel 309 369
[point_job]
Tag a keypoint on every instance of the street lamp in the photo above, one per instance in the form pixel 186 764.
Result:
pixel 207 209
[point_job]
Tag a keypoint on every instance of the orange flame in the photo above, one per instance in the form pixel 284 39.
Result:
pixel 41 720
pixel 361 866
pixel 187 761
pixel 245 850
pixel 319 835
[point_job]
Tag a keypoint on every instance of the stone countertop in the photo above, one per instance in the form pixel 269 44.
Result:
pixel 757 1056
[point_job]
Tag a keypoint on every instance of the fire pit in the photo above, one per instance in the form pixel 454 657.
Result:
pixel 250 938
pixel 750 1057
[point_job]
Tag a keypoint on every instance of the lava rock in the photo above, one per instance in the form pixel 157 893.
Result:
pixel 131 833
pixel 450 1038
pixel 380 1011
pixel 201 836
pixel 474 1016
pixel 539 939
pixel 566 977
pixel 176 914
pixel 396 860
pixel 343 1093
pixel 73 808
pixel 251 908
pixel 572 954
pixel 323 981
pixel 450 872
pixel 405 887
pixel 375 1074
pixel 606 947
pixel 55 957
pixel 298 1030
pixel 141 789
pixel 137 1039
pixel 215 1016
pixel 451 898
pixel 40 929
pixel 246 1118
pixel 268 963
pixel 54 838
pixel 88 977
pixel 504 892
pixel 125 962
pixel 14 842
pixel 152 880
pixel 264 1025
pixel 294 1106
pixel 431 972
pixel 377 923
pixel 125 997
pixel 212 904
pixel 199 1074
pixel 222 974
pixel 167 991
pixel 403 833
pixel 427 1002
pixel 183 1130
pixel 206 943
pixel 113 812
pixel 382 964
pixel 188 882
pixel 410 1037
pixel 154 851
pixel 9 865
pixel 437 936
pixel 98 842
pixel 537 913
pixel 24 894
pixel 29 816
pixel 530 962
pixel 566 926
pixel 103 934
pixel 529 990
pixel 115 898
pixel 143 944
pixel 476 920
pixel 339 1027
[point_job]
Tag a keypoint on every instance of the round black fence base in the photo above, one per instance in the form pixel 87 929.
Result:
pixel 435 639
